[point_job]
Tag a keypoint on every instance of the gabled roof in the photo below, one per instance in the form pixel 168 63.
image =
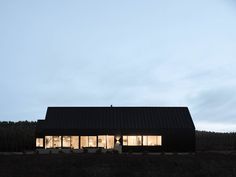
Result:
pixel 116 118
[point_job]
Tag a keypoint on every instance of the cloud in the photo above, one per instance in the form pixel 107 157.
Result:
pixel 216 105
pixel 215 126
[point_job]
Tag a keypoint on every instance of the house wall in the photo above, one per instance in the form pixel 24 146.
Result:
pixel 180 140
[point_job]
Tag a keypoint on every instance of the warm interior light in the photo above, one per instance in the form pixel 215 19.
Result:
pixel 83 141
pixel 52 141
pixel 152 140
pixel 147 140
pixel 125 140
pixel 66 141
pixel 102 141
pixel 74 142
pixel 159 140
pixel 110 142
pixel 39 142
pixel 105 141
pixel 56 141
pixel 88 141
pixel 117 137
pixel 48 142
pixel 134 141
pixel 92 141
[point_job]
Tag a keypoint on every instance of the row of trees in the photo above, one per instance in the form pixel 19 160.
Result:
pixel 20 136
pixel 206 141
pixel 17 136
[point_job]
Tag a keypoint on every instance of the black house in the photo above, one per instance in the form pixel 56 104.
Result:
pixel 135 129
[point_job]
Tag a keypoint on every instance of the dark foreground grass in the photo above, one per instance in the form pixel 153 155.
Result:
pixel 115 165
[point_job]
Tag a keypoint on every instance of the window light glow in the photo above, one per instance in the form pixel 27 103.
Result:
pixel 66 141
pixel 134 140
pixel 74 142
pixel 147 140
pixel 102 141
pixel 39 142
pixel 52 141
pixel 92 141
pixel 110 142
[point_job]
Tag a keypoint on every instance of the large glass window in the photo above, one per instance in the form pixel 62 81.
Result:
pixel 88 141
pixel 66 141
pixel 39 142
pixel 70 142
pixel 110 142
pixel 106 141
pixel 92 141
pixel 145 140
pixel 56 141
pixel 48 142
pixel 134 140
pixel 159 140
pixel 125 140
pixel 83 141
pixel 102 141
pixel 52 141
pixel 152 140
pixel 74 142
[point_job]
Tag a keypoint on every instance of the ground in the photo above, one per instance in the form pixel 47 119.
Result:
pixel 118 165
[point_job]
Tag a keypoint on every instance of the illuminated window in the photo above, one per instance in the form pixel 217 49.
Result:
pixel 88 141
pixel 106 141
pixel 56 141
pixel 137 140
pixel 83 141
pixel 92 141
pixel 159 140
pixel 125 140
pixel 152 140
pixel 52 141
pixel 102 141
pixel 66 141
pixel 39 142
pixel 70 142
pixel 48 142
pixel 134 141
pixel 110 142
pixel 145 140
pixel 74 142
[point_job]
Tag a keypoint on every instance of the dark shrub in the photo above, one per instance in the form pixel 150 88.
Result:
pixel 61 152
pixel 85 150
pixel 99 151
pixel 114 151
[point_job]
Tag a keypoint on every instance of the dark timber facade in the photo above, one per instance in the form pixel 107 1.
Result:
pixel 132 129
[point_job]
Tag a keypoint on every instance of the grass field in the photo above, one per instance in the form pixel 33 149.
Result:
pixel 118 165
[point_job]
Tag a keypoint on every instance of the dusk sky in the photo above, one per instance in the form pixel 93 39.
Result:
pixel 124 53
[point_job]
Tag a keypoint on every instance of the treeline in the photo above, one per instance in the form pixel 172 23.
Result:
pixel 17 136
pixel 210 141
pixel 20 136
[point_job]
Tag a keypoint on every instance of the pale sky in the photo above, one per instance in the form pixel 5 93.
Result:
pixel 125 53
